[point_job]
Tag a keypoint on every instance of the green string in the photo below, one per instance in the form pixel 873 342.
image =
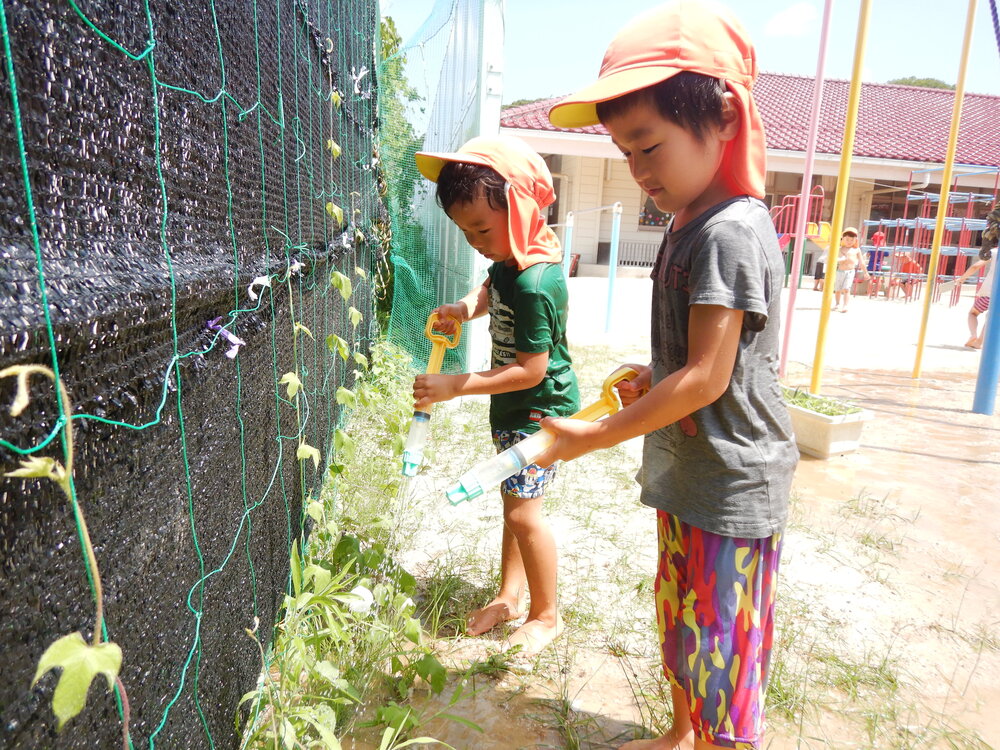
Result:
pixel 311 130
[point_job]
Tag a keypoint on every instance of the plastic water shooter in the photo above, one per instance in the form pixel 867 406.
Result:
pixel 413 449
pixel 490 473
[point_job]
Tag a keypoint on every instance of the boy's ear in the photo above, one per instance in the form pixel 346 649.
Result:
pixel 731 118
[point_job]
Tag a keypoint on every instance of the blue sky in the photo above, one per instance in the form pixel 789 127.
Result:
pixel 555 46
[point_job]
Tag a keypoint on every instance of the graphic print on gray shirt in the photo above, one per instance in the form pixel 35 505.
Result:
pixel 727 468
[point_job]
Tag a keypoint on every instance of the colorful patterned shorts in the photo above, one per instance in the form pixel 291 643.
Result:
pixel 530 482
pixel 715 610
pixel 981 304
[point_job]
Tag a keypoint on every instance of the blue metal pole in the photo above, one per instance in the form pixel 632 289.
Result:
pixel 616 223
pixel 568 244
pixel 989 363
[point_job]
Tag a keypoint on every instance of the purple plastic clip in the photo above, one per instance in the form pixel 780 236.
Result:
pixel 235 342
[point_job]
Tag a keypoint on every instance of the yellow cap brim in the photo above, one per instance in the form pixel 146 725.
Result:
pixel 580 109
pixel 431 164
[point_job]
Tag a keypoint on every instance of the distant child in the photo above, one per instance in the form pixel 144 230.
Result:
pixel 981 303
pixel 719 453
pixel 849 262
pixel 494 190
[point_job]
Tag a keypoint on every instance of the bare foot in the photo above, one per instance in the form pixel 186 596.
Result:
pixel 974 343
pixel 666 742
pixel 535 635
pixel 669 741
pixel 497 611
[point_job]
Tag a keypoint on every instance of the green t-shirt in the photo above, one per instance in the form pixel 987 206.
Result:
pixel 528 314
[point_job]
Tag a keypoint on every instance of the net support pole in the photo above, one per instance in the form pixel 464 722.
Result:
pixel 807 175
pixel 985 399
pixel 616 224
pixel 568 245
pixel 843 187
pixel 944 202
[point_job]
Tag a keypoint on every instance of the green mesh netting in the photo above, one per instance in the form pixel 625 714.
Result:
pixel 429 93
pixel 160 160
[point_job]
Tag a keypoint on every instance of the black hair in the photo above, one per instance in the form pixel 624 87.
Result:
pixel 691 100
pixel 463 183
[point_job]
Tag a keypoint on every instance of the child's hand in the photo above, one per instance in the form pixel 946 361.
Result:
pixel 430 389
pixel 574 437
pixel 630 391
pixel 447 315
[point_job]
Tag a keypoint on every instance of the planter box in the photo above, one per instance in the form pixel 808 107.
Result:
pixel 822 436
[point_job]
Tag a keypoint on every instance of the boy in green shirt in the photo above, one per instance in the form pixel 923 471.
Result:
pixel 494 189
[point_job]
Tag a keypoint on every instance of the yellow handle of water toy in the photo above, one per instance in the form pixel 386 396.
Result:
pixel 609 402
pixel 440 342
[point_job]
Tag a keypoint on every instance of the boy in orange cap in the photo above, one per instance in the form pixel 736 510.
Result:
pixel 494 190
pixel 719 453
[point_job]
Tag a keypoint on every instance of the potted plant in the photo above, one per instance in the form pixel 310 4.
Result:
pixel 824 426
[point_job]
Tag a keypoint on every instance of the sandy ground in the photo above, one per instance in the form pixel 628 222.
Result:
pixel 889 607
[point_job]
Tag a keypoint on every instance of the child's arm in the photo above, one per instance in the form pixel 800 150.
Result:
pixel 473 305
pixel 970 270
pixel 713 340
pixel 526 372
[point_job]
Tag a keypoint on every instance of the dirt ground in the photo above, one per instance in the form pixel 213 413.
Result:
pixel 889 606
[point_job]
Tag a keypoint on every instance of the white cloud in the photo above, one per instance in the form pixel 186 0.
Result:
pixel 795 20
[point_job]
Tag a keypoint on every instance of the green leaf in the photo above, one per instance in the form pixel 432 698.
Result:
pixel 336 344
pixel 307 451
pixel 288 736
pixel 292 382
pixel 324 721
pixel 431 670
pixel 360 272
pixel 315 511
pixel 336 213
pixel 333 147
pixel 319 576
pixel 80 664
pixel 361 359
pixel 346 397
pixel 39 466
pixel 342 284
pixel 296 569
pixel 343 446
pixel 412 630
pixel 300 327
pixel 355 315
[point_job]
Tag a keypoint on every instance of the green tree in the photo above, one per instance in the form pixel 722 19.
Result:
pixel 520 102
pixel 930 83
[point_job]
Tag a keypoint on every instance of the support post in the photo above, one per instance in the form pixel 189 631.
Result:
pixel 616 223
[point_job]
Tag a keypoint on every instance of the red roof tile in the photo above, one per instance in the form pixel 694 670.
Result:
pixel 894 122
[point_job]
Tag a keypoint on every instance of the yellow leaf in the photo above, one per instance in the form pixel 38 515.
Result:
pixel 336 213
pixel 333 147
pixel 307 451
pixel 292 382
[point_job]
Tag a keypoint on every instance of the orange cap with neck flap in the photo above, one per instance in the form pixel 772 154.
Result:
pixel 529 190
pixel 694 36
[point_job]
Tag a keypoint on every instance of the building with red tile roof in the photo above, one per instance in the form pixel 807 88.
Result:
pixel 902 135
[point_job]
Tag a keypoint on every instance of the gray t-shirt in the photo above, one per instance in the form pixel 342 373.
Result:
pixel 727 468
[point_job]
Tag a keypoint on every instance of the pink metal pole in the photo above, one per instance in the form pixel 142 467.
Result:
pixel 807 174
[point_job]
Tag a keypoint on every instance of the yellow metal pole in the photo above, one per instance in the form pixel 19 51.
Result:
pixel 949 164
pixel 843 185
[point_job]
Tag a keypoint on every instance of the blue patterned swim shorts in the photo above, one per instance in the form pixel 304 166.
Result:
pixel 528 483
